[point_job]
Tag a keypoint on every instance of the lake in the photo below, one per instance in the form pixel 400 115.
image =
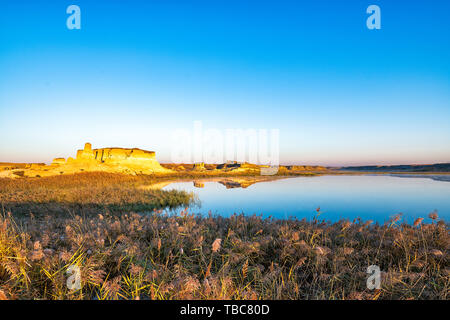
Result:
pixel 370 197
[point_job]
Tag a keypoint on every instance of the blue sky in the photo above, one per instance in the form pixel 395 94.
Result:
pixel 138 70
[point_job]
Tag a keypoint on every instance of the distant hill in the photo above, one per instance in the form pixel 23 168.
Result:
pixel 439 167
pixel 13 165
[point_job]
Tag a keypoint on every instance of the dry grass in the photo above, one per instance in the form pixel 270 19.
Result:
pixel 156 256
pixel 86 193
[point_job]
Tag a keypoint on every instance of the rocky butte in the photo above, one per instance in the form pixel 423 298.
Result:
pixel 115 160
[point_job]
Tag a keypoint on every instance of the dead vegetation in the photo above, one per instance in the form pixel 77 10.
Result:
pixel 157 256
pixel 86 193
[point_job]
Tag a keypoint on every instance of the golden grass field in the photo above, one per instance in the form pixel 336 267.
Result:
pixel 127 248
pixel 86 193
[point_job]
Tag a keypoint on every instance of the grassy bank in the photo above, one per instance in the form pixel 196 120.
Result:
pixel 154 256
pixel 86 193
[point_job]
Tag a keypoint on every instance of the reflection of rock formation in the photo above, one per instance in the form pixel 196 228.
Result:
pixel 199 184
pixel 237 183
pixel 230 184
pixel 156 185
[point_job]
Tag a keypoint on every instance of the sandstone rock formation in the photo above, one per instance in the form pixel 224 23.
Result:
pixel 115 160
pixel 199 166
pixel 120 157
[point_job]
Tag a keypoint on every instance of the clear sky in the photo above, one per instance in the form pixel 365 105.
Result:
pixel 137 70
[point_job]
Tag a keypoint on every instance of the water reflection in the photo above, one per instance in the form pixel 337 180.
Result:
pixel 340 197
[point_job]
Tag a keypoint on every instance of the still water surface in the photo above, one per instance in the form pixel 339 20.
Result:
pixel 375 197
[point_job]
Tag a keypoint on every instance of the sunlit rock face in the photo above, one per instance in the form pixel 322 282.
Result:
pixel 115 160
pixel 199 166
pixel 116 156
pixel 126 160
pixel 86 154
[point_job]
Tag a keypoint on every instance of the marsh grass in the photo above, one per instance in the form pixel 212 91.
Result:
pixel 86 193
pixel 158 256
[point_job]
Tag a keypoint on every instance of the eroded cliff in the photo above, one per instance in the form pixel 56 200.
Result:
pixel 115 160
